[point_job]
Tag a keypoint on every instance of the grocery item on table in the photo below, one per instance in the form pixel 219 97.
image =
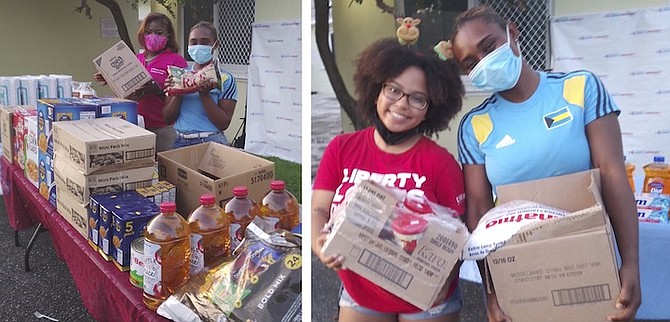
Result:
pixel 657 176
pixel 279 207
pixel 137 262
pixel 210 234
pixel 261 283
pixel 167 250
pixel 652 207
pixel 241 210
pixel 500 223
pixel 186 81
pixel 630 168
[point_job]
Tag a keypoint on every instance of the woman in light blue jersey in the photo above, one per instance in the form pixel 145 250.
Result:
pixel 537 125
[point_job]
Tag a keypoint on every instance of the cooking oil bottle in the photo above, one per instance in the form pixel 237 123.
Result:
pixel 167 248
pixel 630 168
pixel 241 210
pixel 210 235
pixel 657 176
pixel 279 207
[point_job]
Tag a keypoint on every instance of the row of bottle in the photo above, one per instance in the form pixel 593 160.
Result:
pixel 656 176
pixel 176 248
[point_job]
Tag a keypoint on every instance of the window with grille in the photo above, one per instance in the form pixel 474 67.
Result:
pixel 233 19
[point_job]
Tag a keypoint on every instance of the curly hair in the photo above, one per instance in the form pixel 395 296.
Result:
pixel 386 59
pixel 165 22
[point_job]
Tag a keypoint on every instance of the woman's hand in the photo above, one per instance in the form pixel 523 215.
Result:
pixel 98 78
pixel 206 87
pixel 630 298
pixel 333 262
pixel 493 310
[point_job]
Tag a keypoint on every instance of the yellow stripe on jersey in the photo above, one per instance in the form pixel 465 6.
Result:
pixel 573 90
pixel 562 116
pixel 482 126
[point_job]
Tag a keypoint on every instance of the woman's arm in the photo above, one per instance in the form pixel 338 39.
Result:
pixel 321 200
pixel 219 113
pixel 604 135
pixel 171 108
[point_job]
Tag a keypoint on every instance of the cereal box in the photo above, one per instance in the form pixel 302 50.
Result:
pixel 31 169
pixel 54 110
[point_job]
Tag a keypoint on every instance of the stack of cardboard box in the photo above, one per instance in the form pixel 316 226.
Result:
pixel 99 156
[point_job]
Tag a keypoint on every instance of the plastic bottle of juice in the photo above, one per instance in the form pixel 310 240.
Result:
pixel 167 249
pixel 241 210
pixel 657 176
pixel 210 235
pixel 630 168
pixel 279 207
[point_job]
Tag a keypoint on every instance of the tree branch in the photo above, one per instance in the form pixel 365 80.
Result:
pixel 87 11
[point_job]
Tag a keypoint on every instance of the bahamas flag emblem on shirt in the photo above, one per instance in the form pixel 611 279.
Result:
pixel 557 118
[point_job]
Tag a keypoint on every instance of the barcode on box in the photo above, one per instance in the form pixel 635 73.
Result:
pixel 139 154
pixel 138 184
pixel 579 295
pixel 134 81
pixel 385 269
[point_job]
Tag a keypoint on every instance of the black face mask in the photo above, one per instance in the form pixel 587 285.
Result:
pixel 393 138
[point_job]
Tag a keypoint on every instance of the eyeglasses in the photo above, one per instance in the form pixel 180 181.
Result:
pixel 415 100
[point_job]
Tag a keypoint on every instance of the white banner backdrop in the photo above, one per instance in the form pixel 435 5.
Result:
pixel 274 100
pixel 630 52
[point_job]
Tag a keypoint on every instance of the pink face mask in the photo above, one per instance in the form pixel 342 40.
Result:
pixel 155 43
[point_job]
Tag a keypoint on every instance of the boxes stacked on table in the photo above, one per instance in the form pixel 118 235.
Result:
pixel 50 111
pixel 95 156
pixel 27 89
pixel 24 143
pixel 115 220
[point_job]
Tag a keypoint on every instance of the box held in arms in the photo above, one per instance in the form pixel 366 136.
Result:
pixel 121 69
pixel 104 144
pixel 562 269
pixel 81 186
pixel 213 168
pixel 414 271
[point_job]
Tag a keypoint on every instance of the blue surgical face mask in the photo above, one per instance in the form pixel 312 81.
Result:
pixel 499 70
pixel 201 54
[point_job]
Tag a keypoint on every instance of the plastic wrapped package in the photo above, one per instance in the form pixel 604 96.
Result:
pixel 260 282
pixel 186 82
pixel 500 223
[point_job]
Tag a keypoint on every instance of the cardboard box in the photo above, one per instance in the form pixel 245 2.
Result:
pixel 56 110
pixel 563 269
pixel 213 168
pixel 47 179
pixel 73 212
pixel 81 186
pixel 121 69
pixel 31 168
pixel 115 107
pixel 7 131
pixel 360 234
pixel 104 144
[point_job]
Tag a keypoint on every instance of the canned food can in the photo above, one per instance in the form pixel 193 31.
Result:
pixel 137 262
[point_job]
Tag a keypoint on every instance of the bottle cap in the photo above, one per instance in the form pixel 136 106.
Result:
pixel 659 158
pixel 240 191
pixel 207 199
pixel 168 206
pixel 277 185
pixel 409 224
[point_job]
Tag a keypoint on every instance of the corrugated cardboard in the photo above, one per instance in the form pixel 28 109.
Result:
pixel 121 69
pixel 7 131
pixel 81 186
pixel 563 269
pixel 104 144
pixel 73 212
pixel 213 168
pixel 357 234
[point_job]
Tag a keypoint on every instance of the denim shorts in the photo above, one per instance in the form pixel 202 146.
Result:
pixel 450 305
pixel 180 142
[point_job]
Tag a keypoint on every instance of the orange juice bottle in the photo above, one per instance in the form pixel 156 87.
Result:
pixel 630 168
pixel 167 249
pixel 241 210
pixel 657 176
pixel 279 207
pixel 210 235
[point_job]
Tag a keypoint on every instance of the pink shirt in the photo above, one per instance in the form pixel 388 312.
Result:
pixel 151 106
